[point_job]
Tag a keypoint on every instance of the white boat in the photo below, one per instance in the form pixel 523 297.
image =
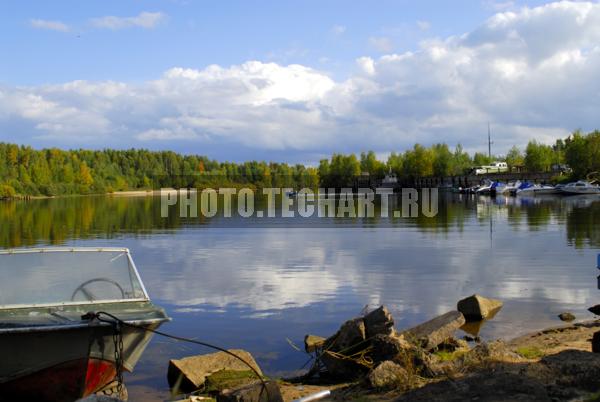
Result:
pixel 511 188
pixel 546 189
pixel 54 342
pixel 580 187
pixel 536 189
pixel 485 187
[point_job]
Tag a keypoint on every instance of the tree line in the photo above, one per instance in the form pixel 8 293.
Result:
pixel 27 171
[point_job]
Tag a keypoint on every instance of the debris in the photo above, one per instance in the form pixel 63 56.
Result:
pixel 433 332
pixel 379 321
pixel 254 392
pixel 313 342
pixel 189 374
pixel 477 307
pixel 388 375
pixel 566 316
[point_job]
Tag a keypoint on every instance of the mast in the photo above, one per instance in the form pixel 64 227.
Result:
pixel 489 142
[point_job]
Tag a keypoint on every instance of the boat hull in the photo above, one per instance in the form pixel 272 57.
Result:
pixel 66 363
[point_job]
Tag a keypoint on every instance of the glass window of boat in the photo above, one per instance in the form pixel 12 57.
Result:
pixel 67 277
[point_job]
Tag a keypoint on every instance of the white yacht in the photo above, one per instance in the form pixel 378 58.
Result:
pixel 580 187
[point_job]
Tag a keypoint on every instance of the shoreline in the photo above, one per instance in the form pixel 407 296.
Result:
pixel 555 363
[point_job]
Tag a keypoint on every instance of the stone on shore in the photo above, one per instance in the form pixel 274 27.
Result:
pixel 254 392
pixel 477 307
pixel 386 347
pixel 379 321
pixel 596 342
pixel 350 336
pixel 190 373
pixel 595 309
pixel 432 333
pixel 313 343
pixel 388 375
pixel 340 367
pixel 566 317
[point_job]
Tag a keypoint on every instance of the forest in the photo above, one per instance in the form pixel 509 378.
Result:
pixel 49 172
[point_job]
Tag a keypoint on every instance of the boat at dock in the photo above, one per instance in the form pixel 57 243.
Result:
pixel 537 189
pixel 580 187
pixel 54 344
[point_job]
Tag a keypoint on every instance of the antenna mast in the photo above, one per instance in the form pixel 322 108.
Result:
pixel 489 142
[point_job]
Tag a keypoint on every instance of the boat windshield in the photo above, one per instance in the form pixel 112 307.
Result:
pixel 52 277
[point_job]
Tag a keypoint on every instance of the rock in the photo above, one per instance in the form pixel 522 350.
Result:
pixel 566 316
pixel 596 342
pixel 477 307
pixel 433 332
pixel 189 374
pixel 379 321
pixel 388 375
pixel 386 347
pixel 350 337
pixel 313 342
pixel 452 345
pixel 254 392
pixel 595 309
pixel 341 368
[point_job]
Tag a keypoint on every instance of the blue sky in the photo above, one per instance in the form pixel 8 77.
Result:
pixel 293 80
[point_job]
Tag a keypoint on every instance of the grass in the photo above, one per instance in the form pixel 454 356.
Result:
pixel 595 397
pixel 448 356
pixel 228 379
pixel 530 352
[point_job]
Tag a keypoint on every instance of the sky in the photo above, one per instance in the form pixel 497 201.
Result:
pixel 296 81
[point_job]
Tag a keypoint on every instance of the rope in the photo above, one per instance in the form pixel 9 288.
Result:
pixel 116 319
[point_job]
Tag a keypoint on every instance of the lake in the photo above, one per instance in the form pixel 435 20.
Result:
pixel 262 287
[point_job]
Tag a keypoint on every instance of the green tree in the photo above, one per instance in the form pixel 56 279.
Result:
pixel 538 157
pixel 514 157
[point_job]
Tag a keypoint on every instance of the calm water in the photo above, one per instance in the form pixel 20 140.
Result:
pixel 255 287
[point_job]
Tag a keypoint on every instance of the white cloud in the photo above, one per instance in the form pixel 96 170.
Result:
pixel 381 44
pixel 50 25
pixel 143 20
pixel 532 73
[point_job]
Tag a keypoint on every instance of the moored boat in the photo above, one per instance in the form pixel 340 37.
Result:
pixel 52 348
pixel 580 187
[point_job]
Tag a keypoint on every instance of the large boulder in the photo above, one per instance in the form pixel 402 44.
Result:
pixel 341 367
pixel 477 307
pixel 595 309
pixel 350 337
pixel 386 347
pixel 379 321
pixel 190 373
pixel 388 375
pixel 255 392
pixel 432 333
